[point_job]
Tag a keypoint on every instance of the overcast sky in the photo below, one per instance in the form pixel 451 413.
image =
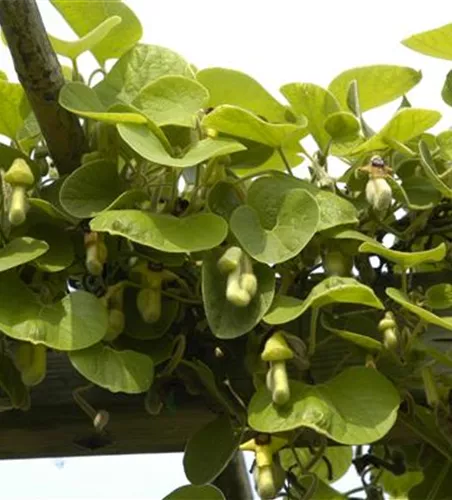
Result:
pixel 276 42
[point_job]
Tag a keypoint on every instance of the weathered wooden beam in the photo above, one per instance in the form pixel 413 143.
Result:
pixel 40 74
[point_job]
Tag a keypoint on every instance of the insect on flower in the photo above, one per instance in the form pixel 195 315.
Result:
pixel 378 191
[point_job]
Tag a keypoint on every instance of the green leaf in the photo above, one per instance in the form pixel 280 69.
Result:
pixel 343 408
pixel 342 126
pixel 225 319
pixel 363 341
pixel 73 49
pixel 330 290
pixel 117 371
pixel 339 457
pixel 143 140
pixel 172 100
pixel 223 199
pixel 12 386
pixel 269 192
pixel 439 296
pixel 399 297
pixel 415 192
pixel 405 259
pixel 210 449
pixel 297 220
pixel 81 100
pixel 228 86
pixel 377 85
pixel 406 124
pixel 239 122
pixel 61 249
pixel 446 92
pixel 444 141
pixel 91 189
pixel 77 321
pixel 120 39
pixel 436 484
pixel 136 69
pixel 167 233
pixel 136 328
pixel 429 167
pixel 191 492
pixel 14 108
pixel 20 251
pixel 434 43
pixel 314 103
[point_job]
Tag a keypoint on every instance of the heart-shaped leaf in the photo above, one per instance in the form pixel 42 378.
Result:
pixel 90 189
pixel 406 124
pixel 20 251
pixel 120 39
pixel 136 69
pixel 228 86
pixel 399 297
pixel 117 371
pixel 269 192
pixel 405 259
pixel 210 449
pixel 342 126
pixel 143 140
pixel 415 192
pixel 377 84
pixel 224 198
pixel 225 319
pixel 315 104
pixel 297 220
pixel 14 108
pixel 80 99
pixel 439 296
pixel 61 249
pixel 167 233
pixel 330 290
pixel 434 43
pixel 239 122
pixel 343 408
pixel 172 100
pixel 77 321
pixel 73 49
pixel 192 492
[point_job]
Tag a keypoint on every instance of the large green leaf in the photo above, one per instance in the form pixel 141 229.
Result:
pixel 406 124
pixel 358 406
pixel 210 449
pixel 296 223
pixel 377 84
pixel 120 39
pixel 434 43
pixel 228 86
pixel 342 126
pixel 225 319
pixel 239 122
pixel 330 290
pixel 91 189
pixel 405 259
pixel 61 248
pixel 417 193
pixel 136 69
pixel 77 321
pixel 14 108
pixel 269 192
pixel 118 371
pixel 73 49
pixel 163 232
pixel 172 100
pixel 224 198
pixel 143 140
pixel 192 492
pixel 399 297
pixel 80 99
pixel 314 103
pixel 20 251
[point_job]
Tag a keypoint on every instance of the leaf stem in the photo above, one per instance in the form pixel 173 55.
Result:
pixel 313 330
pixel 285 161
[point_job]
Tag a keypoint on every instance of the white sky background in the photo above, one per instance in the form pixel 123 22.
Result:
pixel 276 42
